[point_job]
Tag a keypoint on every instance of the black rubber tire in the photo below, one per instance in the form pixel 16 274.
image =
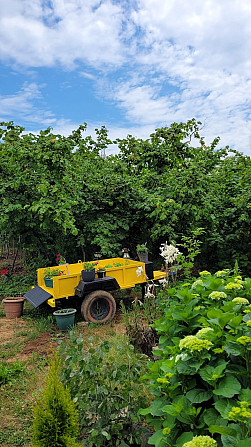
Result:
pixel 98 307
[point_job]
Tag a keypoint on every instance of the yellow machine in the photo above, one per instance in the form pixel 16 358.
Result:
pixel 98 304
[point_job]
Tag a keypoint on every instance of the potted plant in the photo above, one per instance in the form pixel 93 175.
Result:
pixel 65 318
pixel 88 272
pixel 49 274
pixel 13 306
pixel 142 252
pixel 101 272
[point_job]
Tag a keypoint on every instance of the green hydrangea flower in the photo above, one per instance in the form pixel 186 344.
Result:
pixel 244 340
pixel 241 412
pixel 217 295
pixel 193 343
pixel 233 286
pixel 249 323
pixel 222 272
pixel 240 300
pixel 163 381
pixel 205 273
pixel 201 441
pixel 218 350
pixel 166 431
pixel 196 283
pixel 204 331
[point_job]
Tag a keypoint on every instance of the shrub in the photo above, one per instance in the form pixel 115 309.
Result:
pixel 55 417
pixel 104 382
pixel 201 380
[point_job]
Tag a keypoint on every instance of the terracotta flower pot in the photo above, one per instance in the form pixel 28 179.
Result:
pixel 13 307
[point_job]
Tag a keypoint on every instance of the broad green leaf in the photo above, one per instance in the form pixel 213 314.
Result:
pixel 233 348
pixel 247 317
pixel 206 373
pixel 234 322
pixel 156 407
pixel 244 443
pixel 212 417
pixel 220 368
pixel 223 430
pixel 245 395
pixel 156 438
pixel 144 411
pixel 185 437
pixel 198 395
pixel 224 406
pixel 185 368
pixel 228 387
pixel 173 410
pixel 228 441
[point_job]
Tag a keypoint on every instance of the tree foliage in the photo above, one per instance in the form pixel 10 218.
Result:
pixel 59 194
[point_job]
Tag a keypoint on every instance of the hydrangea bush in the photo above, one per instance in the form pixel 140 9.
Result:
pixel 201 379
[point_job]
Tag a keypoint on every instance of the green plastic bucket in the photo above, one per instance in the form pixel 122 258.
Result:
pixel 65 318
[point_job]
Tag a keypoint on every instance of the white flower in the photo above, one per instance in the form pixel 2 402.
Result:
pixel 169 253
pixel 149 291
pixel 139 271
pixel 163 282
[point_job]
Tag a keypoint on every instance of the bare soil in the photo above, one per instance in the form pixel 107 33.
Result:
pixel 19 329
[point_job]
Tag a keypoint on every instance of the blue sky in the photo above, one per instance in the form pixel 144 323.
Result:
pixel 132 65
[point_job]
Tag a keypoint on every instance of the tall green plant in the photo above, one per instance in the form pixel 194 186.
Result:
pixel 55 416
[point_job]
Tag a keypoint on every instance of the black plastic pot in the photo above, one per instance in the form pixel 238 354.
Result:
pixel 88 276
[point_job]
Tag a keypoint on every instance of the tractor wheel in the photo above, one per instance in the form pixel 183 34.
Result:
pixel 98 307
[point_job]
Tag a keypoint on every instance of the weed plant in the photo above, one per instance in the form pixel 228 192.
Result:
pixel 201 381
pixel 8 371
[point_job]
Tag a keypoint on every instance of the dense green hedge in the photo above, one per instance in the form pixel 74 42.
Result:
pixel 59 195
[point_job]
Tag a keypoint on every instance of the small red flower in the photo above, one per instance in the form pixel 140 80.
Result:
pixel 4 272
pixel 60 273
pixel 58 256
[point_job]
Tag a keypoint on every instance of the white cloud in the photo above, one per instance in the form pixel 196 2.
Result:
pixel 23 106
pixel 177 59
pixel 37 36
